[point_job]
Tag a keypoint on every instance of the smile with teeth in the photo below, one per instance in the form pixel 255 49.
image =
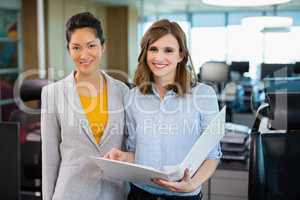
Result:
pixel 86 62
pixel 160 65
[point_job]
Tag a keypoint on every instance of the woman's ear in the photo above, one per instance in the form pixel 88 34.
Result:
pixel 103 47
pixel 68 48
pixel 180 57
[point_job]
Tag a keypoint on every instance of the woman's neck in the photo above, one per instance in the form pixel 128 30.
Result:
pixel 88 84
pixel 161 83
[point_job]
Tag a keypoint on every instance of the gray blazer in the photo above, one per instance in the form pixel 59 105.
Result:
pixel 67 143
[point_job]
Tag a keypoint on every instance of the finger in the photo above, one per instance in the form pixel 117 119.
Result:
pixel 106 156
pixel 158 182
pixel 173 189
pixel 113 156
pixel 187 175
pixel 165 184
pixel 117 156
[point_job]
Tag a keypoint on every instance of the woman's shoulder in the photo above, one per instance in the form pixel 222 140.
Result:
pixel 204 97
pixel 53 87
pixel 132 97
pixel 119 85
pixel 57 85
pixel 202 88
pixel 134 93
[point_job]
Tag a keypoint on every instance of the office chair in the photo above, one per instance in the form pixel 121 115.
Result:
pixel 297 68
pixel 32 89
pixel 274 170
pixel 290 84
pixel 31 171
pixel 216 73
pixel 276 70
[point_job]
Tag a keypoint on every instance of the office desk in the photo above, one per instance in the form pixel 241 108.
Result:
pixel 230 182
pixel 30 196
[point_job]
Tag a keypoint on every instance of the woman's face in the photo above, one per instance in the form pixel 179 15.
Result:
pixel 162 58
pixel 86 50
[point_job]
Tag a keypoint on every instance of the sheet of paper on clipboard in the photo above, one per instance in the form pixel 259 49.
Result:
pixel 118 170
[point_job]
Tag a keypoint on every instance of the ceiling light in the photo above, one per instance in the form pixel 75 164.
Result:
pixel 244 3
pixel 261 22
pixel 276 30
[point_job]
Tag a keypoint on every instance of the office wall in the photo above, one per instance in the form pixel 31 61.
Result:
pixel 133 47
pixel 117 41
pixel 122 44
pixel 29 34
pixel 58 12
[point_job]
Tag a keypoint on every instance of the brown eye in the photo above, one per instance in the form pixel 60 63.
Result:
pixel 152 49
pixel 169 50
pixel 75 48
pixel 91 46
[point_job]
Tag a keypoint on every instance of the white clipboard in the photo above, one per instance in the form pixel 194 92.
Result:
pixel 118 170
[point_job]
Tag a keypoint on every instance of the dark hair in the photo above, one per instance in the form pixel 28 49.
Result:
pixel 185 77
pixel 84 20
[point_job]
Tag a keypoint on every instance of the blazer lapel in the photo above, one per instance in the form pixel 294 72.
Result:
pixel 74 99
pixel 106 131
pixel 87 131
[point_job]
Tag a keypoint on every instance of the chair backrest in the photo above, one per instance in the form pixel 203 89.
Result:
pixel 297 68
pixel 10 161
pixel 274 154
pixel 32 89
pixel 274 166
pixel 214 72
pixel 276 70
pixel 284 110
pixel 31 151
pixel 282 84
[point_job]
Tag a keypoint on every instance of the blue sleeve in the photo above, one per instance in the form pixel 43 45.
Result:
pixel 215 153
pixel 208 109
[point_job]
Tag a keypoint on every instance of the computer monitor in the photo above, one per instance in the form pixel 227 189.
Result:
pixel 276 70
pixel 10 161
pixel 297 68
pixel 240 67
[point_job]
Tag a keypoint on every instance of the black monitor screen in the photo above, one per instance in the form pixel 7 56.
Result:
pixel 240 67
pixel 9 161
pixel 276 70
pixel 297 68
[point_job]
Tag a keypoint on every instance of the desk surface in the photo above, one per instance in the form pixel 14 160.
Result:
pixel 234 165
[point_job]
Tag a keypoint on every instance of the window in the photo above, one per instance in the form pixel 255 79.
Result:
pixel 282 47
pixel 9 59
pixel 208 44
pixel 218 36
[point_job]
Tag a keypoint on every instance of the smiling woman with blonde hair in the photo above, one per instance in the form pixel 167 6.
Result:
pixel 82 116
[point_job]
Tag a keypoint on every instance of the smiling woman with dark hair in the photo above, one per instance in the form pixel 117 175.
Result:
pixel 82 116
